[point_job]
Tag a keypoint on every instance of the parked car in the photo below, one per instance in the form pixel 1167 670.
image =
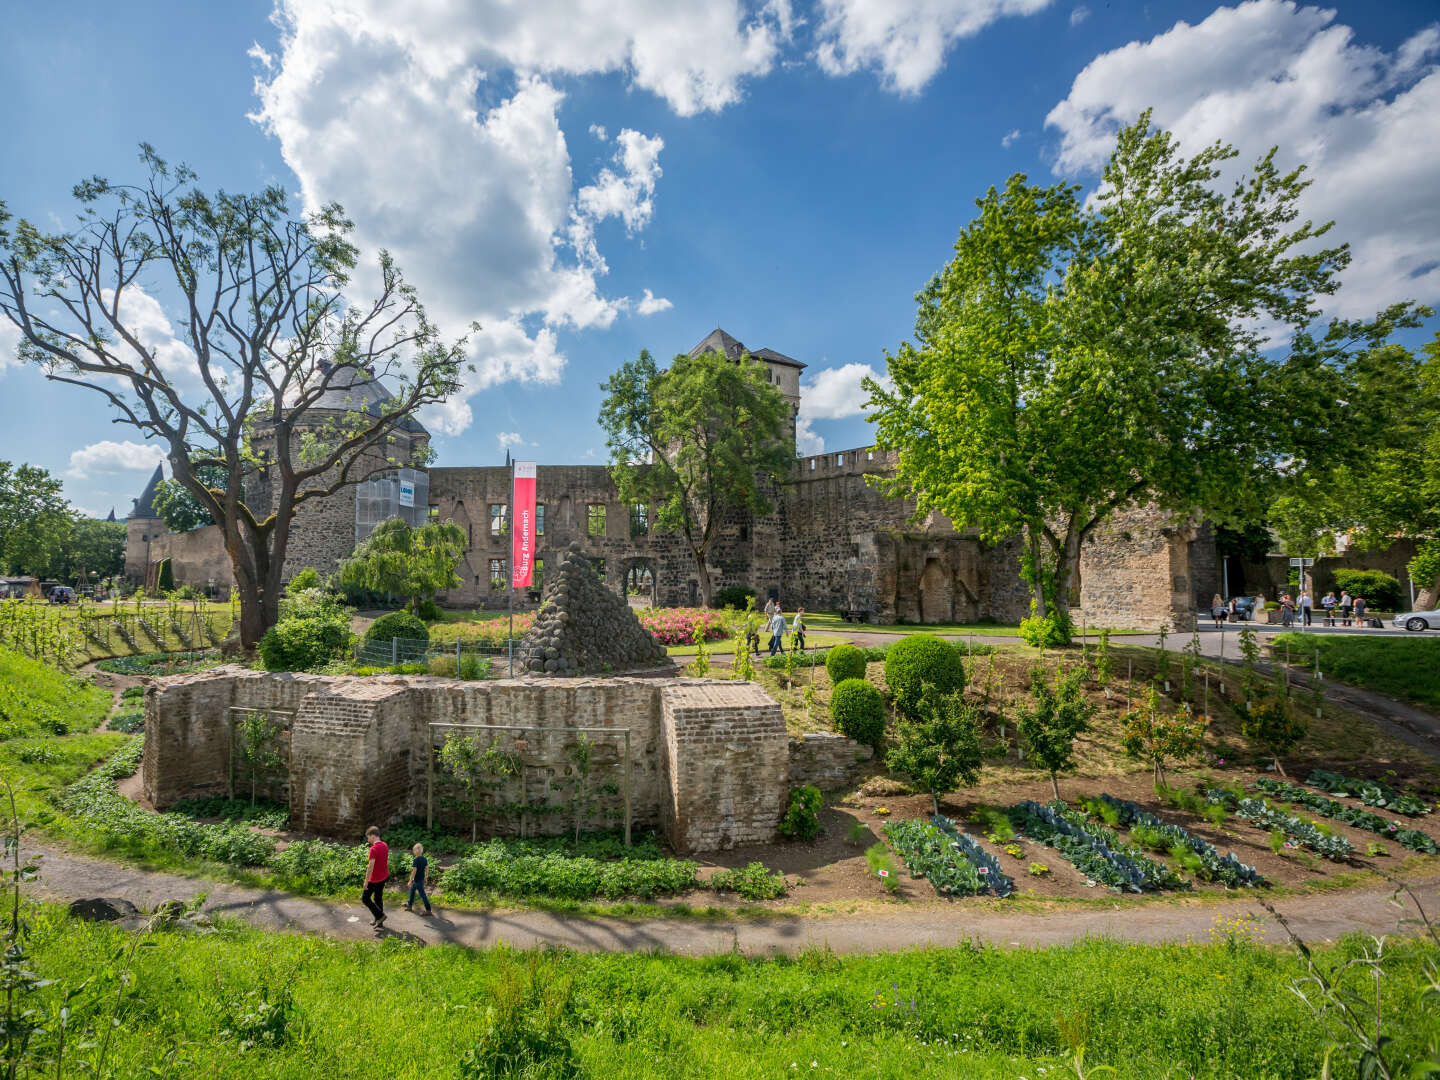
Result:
pixel 1418 620
pixel 62 594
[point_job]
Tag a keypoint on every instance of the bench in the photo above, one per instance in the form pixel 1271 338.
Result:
pixel 855 616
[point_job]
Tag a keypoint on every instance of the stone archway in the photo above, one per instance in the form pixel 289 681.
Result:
pixel 937 593
pixel 639 582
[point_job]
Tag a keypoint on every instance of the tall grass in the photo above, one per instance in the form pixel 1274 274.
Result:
pixel 360 1010
pixel 1407 667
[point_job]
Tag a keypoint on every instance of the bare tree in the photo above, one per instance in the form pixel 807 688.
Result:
pixel 274 393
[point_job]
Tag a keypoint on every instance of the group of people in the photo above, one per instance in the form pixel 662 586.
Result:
pixel 1343 608
pixel 775 626
pixel 377 875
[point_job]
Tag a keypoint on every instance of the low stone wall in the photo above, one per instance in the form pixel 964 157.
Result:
pixel 827 761
pixel 708 761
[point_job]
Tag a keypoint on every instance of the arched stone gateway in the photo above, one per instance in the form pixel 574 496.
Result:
pixel 640 582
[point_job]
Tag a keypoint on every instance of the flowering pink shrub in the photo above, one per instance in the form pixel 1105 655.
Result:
pixel 676 626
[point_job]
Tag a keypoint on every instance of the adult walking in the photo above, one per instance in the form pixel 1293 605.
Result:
pixel 1257 607
pixel 777 633
pixel 377 872
pixel 1359 611
pixel 1328 603
pixel 1287 610
pixel 1218 611
pixel 1346 604
pixel 1306 607
pixel 798 629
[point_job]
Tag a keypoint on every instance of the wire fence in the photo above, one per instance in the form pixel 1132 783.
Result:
pixel 472 659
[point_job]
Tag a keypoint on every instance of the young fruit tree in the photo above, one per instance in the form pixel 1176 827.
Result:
pixel 401 560
pixel 1273 724
pixel 938 745
pixel 255 741
pixel 1154 735
pixel 697 443
pixel 1077 357
pixel 1053 720
pixel 268 372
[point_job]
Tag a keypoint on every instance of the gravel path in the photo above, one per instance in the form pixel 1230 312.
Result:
pixel 1319 917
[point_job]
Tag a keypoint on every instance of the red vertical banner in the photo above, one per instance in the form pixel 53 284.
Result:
pixel 522 521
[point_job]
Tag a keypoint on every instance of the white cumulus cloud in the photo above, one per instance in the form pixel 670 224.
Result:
pixel 436 126
pixel 1079 14
pixel 9 344
pixel 905 40
pixel 1008 139
pixel 650 304
pixel 509 440
pixel 1273 72
pixel 831 394
pixel 107 458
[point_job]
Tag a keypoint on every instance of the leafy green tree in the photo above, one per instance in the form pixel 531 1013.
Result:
pixel 939 748
pixel 697 443
pixel 278 335
pixel 1054 719
pixel 177 505
pixel 401 560
pixel 1152 734
pixel 35 519
pixel 255 741
pixel 1077 358
pixel 1389 483
pixel 92 547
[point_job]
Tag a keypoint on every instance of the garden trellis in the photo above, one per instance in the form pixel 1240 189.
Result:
pixel 520 744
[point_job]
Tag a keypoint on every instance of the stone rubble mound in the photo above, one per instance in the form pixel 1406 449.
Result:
pixel 584 628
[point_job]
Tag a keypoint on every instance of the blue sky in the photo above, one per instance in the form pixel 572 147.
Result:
pixel 590 179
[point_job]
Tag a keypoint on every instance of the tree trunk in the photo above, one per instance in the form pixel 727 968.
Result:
pixel 935 803
pixel 1067 571
pixel 1055 783
pixel 1037 572
pixel 1280 768
pixel 707 589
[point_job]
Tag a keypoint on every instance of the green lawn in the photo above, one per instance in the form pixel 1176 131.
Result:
pixel 244 1004
pixel 36 699
pixel 1406 667
pixel 831 620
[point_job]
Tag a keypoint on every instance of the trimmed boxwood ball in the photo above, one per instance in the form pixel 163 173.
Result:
pixel 844 662
pixel 858 709
pixel 399 624
pixel 916 660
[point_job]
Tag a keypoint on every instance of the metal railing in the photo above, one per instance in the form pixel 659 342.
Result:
pixel 494 656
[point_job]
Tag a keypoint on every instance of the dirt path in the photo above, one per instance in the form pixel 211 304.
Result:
pixel 1319 917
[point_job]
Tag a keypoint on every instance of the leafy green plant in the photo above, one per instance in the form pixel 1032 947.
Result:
pixel 1104 662
pixel 1370 792
pixel 1154 734
pixel 397 624
pixel 303 644
pixel 1038 869
pixel 844 662
pixel 753 882
pixel 858 711
pixel 254 736
pixel 1055 717
pixel 1275 725
pixel 938 744
pixel 920 660
pixel 877 857
pixel 1360 819
pixel 802 815
pixel 856 834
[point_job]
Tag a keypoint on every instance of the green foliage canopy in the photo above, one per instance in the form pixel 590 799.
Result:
pixel 939 746
pixel 695 443
pixel 402 560
pixel 1074 359
pixel 35 519
pixel 1055 717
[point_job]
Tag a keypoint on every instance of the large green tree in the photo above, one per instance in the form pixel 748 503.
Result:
pixel 401 560
pixel 177 505
pixel 278 341
pixel 91 547
pixel 1076 358
pixel 1389 485
pixel 696 442
pixel 35 519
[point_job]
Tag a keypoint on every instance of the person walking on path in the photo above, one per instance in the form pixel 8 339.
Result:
pixel 777 633
pixel 1306 607
pixel 1218 610
pixel 771 607
pixel 1287 610
pixel 1345 605
pixel 417 879
pixel 798 629
pixel 1328 603
pixel 377 872
pixel 1359 611
pixel 1257 607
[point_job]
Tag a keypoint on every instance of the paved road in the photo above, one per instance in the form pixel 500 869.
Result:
pixel 1321 917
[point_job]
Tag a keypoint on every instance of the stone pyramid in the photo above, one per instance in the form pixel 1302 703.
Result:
pixel 583 628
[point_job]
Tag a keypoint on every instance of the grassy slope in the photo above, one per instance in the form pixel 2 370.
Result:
pixel 34 695
pixel 1208 1010
pixel 1407 667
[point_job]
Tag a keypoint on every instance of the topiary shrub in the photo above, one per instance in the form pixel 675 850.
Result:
pixel 429 611
pixel 919 660
pixel 802 817
pixel 303 644
pixel 397 624
pixel 1380 590
pixel 733 596
pixel 858 710
pixel 844 662
pixel 166 579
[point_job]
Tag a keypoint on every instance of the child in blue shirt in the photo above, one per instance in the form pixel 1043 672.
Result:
pixel 418 867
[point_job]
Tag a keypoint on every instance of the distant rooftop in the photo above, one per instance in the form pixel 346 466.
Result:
pixel 357 390
pixel 145 504
pixel 725 344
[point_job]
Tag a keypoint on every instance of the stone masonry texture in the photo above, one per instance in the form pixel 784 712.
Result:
pixel 709 762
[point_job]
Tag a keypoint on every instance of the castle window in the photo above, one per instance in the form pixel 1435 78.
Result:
pixel 497 574
pixel 595 519
pixel 744 532
pixel 639 519
pixel 432 513
pixel 537 578
pixel 839 459
pixel 599 565
pixel 812 464
pixel 499 519
pixel 539 519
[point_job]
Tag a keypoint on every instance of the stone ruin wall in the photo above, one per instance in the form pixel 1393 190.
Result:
pixel 710 762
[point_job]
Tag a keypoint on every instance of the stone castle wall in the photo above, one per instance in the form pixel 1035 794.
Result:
pixel 708 761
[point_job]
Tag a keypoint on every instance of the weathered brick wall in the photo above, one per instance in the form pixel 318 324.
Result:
pixel 827 761
pixel 197 557
pixel 727 759
pixel 708 760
